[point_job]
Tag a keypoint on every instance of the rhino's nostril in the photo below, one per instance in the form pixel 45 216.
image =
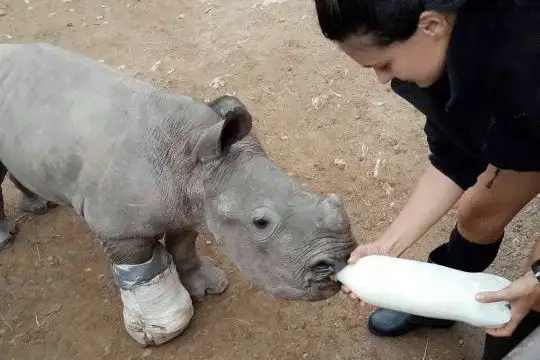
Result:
pixel 322 270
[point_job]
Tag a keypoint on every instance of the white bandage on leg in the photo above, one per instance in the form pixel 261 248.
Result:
pixel 157 307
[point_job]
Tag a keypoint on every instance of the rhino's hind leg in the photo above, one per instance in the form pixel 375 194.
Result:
pixel 157 308
pixel 30 202
pixel 199 275
pixel 7 228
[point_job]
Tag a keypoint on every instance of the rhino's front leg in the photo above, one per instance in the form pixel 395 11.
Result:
pixel 157 308
pixel 129 251
pixel 7 228
pixel 199 275
pixel 30 202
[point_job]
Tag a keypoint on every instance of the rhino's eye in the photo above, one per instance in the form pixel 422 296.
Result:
pixel 261 223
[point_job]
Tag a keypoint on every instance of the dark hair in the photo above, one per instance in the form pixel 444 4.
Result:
pixel 385 20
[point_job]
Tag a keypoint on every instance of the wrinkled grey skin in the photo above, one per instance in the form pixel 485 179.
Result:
pixel 138 164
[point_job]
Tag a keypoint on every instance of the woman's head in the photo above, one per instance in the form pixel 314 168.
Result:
pixel 404 39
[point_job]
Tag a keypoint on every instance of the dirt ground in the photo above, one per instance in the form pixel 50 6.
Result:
pixel 322 118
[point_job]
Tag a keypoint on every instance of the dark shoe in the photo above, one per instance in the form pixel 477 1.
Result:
pixel 496 348
pixel 384 322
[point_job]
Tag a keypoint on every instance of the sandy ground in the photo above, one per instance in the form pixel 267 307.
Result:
pixel 312 106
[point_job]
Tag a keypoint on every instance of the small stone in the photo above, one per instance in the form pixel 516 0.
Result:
pixel 107 351
pixel 155 66
pixel 101 276
pixel 379 103
pixel 181 16
pixel 461 342
pixel 208 242
pixel 87 269
pixel 121 67
pixel 52 14
pixel 2 13
pixel 171 71
pixel 51 260
pixel 71 10
pixel 147 353
pixel 70 25
pixel 30 8
pixel 342 164
pixel 217 83
pixel 305 356
pixel 100 17
pixel 318 101
pixel 284 138
pixel 9 37
pixel 101 61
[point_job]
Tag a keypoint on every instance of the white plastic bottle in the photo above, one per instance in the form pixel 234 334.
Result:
pixel 426 289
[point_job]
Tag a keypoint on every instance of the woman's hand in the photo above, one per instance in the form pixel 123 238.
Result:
pixel 522 294
pixel 373 248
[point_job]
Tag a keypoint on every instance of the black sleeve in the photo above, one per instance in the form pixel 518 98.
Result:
pixel 450 159
pixel 446 155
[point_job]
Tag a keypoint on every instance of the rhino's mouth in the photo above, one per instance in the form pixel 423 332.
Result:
pixel 323 290
pixel 322 271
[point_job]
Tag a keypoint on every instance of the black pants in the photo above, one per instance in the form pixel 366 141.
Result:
pixel 496 348
pixel 461 254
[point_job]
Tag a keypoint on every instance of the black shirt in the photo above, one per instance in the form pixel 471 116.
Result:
pixel 485 109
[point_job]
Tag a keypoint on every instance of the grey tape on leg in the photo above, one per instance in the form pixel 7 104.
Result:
pixel 157 307
pixel 128 276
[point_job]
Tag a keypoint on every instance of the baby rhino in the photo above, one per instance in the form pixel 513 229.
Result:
pixel 142 165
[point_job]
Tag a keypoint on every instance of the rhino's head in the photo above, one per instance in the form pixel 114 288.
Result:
pixel 284 238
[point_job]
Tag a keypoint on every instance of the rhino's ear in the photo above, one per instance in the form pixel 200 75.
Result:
pixel 225 104
pixel 219 138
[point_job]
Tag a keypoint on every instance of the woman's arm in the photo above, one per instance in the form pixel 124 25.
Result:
pixel 434 195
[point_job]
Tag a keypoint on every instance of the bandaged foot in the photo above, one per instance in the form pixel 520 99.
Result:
pixel 157 307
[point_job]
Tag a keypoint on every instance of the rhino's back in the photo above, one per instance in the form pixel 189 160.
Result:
pixel 72 128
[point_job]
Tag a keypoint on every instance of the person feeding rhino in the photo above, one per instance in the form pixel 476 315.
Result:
pixel 472 67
